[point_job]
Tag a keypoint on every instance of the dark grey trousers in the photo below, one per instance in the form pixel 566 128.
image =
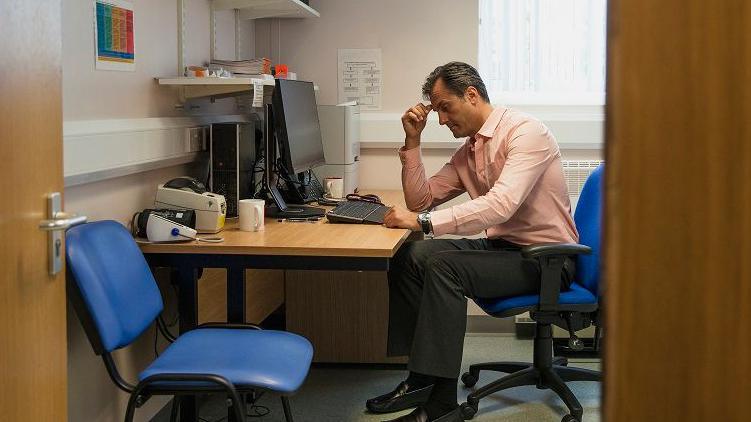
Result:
pixel 429 283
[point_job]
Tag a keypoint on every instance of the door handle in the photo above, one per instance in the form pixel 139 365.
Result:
pixel 62 221
pixel 55 225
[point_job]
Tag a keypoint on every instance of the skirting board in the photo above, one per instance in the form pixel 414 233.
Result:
pixel 95 150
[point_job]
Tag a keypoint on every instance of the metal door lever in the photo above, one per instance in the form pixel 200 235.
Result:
pixel 56 224
pixel 62 221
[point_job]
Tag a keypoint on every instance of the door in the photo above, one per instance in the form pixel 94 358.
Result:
pixel 678 211
pixel 32 302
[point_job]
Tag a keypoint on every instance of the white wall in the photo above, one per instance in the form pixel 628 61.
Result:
pixel 90 97
pixel 414 37
pixel 90 94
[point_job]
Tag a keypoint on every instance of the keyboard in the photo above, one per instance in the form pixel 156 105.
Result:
pixel 357 212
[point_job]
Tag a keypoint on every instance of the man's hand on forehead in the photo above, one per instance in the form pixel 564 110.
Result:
pixel 426 107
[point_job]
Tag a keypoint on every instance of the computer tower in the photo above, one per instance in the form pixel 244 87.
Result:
pixel 232 149
pixel 340 132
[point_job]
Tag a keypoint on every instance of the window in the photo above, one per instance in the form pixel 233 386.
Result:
pixel 543 51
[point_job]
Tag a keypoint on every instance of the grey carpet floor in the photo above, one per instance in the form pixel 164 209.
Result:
pixel 338 394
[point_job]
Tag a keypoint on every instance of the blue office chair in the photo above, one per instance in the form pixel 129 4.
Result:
pixel 116 298
pixel 573 309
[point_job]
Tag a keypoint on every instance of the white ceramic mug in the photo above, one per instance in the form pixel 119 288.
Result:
pixel 250 213
pixel 334 187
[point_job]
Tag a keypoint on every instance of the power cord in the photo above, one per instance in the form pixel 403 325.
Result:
pixel 176 232
pixel 253 410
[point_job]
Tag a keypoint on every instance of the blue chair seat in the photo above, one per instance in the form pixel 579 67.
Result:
pixel 576 295
pixel 276 360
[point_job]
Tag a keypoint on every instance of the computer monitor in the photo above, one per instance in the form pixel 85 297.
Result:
pixel 296 125
pixel 280 207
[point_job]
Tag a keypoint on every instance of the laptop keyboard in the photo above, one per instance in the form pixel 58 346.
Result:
pixel 356 210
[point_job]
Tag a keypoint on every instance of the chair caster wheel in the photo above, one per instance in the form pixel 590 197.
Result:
pixel 468 411
pixel 575 344
pixel 469 380
pixel 570 418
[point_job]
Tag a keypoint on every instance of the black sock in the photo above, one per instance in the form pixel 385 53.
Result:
pixel 442 398
pixel 417 380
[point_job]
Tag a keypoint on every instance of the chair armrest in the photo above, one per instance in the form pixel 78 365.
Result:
pixel 546 249
pixel 551 257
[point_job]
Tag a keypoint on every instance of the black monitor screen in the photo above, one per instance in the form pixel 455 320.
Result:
pixel 296 125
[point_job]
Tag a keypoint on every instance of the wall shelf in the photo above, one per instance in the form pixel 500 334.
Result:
pixel 191 87
pixel 215 87
pixel 258 9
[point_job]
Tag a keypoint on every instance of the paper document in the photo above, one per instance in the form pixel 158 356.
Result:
pixel 360 77
pixel 257 94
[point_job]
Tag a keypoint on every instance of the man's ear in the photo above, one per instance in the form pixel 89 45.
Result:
pixel 472 95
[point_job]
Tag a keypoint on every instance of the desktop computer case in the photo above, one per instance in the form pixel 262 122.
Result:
pixel 340 132
pixel 232 155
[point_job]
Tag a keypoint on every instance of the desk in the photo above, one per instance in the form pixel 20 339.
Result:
pixel 282 245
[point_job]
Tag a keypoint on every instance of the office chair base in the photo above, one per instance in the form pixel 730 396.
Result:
pixel 469 379
pixel 546 372
pixel 553 378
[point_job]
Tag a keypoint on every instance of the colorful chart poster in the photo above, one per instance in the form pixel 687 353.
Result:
pixel 114 36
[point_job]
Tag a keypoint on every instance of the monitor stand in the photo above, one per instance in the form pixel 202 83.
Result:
pixel 294 211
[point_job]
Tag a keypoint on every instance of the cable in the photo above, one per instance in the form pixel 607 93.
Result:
pixel 176 232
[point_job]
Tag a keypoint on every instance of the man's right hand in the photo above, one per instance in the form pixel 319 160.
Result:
pixel 413 122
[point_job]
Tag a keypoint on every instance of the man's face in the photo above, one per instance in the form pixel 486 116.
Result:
pixel 453 111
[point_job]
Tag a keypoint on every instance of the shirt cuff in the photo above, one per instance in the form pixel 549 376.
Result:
pixel 410 158
pixel 443 221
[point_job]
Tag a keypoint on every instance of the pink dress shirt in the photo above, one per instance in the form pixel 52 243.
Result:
pixel 512 171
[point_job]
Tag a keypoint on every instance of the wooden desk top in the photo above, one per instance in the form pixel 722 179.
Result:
pixel 319 238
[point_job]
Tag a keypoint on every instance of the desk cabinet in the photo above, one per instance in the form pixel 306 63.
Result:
pixel 264 294
pixel 343 313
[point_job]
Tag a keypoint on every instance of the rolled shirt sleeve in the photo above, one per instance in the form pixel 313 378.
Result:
pixel 421 193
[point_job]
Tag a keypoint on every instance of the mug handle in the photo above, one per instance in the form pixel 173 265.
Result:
pixel 256 219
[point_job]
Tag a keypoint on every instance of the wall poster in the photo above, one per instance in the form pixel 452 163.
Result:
pixel 360 77
pixel 114 35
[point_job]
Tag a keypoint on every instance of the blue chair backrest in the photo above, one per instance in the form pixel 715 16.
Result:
pixel 588 219
pixel 114 281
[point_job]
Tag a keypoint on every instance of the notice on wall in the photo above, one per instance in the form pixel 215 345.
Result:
pixel 360 77
pixel 114 35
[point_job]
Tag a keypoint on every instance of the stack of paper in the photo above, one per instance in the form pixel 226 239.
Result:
pixel 244 67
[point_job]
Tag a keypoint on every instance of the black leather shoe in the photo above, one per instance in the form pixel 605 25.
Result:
pixel 401 398
pixel 420 415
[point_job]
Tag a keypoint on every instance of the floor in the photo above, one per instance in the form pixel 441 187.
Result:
pixel 339 393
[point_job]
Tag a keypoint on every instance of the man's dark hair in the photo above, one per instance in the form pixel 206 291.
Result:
pixel 457 77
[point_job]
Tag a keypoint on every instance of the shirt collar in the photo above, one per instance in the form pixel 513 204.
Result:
pixel 488 128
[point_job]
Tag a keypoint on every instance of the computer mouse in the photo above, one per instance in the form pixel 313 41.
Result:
pixel 186 183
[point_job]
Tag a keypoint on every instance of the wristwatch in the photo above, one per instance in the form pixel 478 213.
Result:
pixel 423 219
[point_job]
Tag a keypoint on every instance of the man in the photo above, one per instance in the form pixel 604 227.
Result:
pixel 510 165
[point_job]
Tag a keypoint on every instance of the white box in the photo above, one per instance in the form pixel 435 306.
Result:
pixel 340 132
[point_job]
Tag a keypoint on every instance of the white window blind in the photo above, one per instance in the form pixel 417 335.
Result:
pixel 543 51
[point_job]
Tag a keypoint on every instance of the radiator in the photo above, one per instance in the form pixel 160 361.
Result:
pixel 576 173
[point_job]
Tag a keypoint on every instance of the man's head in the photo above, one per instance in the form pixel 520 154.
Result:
pixel 458 94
